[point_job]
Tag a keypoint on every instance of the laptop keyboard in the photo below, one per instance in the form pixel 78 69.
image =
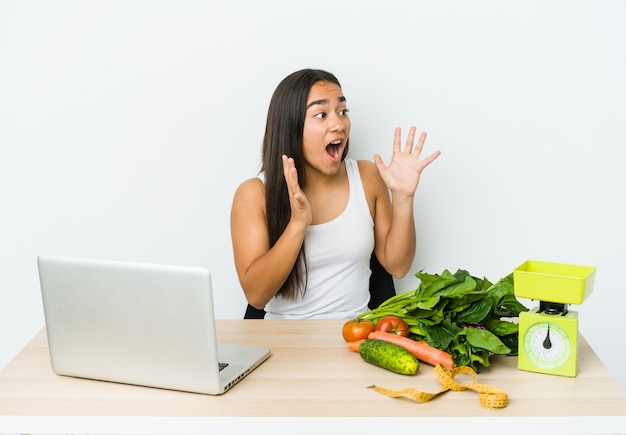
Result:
pixel 222 366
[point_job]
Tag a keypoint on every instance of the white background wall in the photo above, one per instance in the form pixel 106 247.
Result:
pixel 125 128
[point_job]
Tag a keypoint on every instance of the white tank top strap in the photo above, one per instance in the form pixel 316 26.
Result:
pixel 357 192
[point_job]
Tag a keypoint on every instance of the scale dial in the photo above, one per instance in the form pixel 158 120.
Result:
pixel 547 345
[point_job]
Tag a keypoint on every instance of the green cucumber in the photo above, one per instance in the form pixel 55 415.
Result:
pixel 389 356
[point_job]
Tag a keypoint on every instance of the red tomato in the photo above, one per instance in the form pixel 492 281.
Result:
pixel 393 325
pixel 357 329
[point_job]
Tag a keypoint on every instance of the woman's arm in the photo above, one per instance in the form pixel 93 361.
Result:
pixel 394 223
pixel 263 270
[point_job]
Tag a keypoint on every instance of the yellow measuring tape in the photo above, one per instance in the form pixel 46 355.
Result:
pixel 489 396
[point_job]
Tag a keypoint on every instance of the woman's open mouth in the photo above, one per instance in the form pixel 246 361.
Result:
pixel 334 150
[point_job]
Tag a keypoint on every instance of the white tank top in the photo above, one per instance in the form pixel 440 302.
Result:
pixel 338 263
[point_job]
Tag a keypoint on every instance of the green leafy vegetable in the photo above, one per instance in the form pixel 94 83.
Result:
pixel 468 317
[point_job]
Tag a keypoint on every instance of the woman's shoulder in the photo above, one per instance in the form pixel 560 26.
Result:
pixel 366 166
pixel 368 170
pixel 251 188
pixel 372 182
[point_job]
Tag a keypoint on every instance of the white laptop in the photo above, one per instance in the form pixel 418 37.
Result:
pixel 142 324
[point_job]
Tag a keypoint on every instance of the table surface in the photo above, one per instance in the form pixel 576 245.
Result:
pixel 310 377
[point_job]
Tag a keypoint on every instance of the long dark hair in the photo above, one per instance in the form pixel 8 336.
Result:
pixel 283 136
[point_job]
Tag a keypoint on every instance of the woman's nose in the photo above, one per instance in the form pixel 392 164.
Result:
pixel 337 123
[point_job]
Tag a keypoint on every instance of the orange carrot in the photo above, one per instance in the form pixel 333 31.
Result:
pixel 419 349
pixel 354 345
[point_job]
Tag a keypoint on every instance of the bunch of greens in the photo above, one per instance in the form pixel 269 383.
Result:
pixel 467 317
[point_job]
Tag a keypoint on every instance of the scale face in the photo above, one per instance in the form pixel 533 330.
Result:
pixel 548 342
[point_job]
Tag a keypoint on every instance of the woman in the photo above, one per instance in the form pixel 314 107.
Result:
pixel 303 231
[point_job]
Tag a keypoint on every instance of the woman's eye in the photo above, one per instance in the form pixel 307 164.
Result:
pixel 321 115
pixel 344 112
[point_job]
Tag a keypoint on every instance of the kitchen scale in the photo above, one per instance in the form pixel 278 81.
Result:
pixel 548 334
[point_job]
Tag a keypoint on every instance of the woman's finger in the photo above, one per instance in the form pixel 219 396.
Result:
pixel 409 140
pixel 420 144
pixel 397 138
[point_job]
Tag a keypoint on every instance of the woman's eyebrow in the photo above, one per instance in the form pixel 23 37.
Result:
pixel 341 99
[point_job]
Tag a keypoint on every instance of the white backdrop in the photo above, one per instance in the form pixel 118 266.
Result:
pixel 125 128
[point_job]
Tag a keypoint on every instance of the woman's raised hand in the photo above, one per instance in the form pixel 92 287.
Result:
pixel 403 173
pixel 300 207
